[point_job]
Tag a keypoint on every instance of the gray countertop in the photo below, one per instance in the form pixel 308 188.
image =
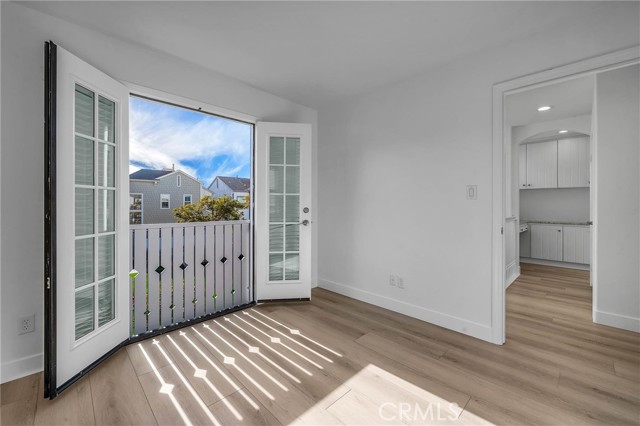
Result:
pixel 555 222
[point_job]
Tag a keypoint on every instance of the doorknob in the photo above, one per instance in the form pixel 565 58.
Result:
pixel 305 222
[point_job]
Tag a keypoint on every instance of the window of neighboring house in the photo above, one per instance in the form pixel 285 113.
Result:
pixel 179 181
pixel 164 201
pixel 135 209
pixel 186 199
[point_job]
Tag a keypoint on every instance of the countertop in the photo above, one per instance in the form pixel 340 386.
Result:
pixel 549 222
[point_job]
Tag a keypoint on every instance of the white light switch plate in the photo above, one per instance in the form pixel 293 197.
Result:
pixel 472 192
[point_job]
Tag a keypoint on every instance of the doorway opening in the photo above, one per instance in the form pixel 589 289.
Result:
pixel 561 163
pixel 190 198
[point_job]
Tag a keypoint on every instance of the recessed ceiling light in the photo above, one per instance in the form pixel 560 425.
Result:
pixel 563 131
pixel 544 108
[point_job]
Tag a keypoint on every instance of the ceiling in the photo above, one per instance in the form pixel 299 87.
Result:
pixel 567 99
pixel 317 52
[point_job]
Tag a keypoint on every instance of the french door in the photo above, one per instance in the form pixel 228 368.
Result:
pixel 283 211
pixel 86 221
pixel 87 247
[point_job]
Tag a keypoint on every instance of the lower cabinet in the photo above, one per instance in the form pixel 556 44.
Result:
pixel 576 244
pixel 546 241
pixel 561 243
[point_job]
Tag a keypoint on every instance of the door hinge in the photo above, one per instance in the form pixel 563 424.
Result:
pixel 501 230
pixel 48 283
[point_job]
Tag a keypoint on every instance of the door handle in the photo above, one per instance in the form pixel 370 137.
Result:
pixel 305 222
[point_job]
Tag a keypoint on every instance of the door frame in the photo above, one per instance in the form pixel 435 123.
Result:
pixel 566 72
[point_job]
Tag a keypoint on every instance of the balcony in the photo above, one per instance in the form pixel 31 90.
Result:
pixel 184 271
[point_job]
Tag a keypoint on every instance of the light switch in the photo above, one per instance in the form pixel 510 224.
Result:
pixel 472 192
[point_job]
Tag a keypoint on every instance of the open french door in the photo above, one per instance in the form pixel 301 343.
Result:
pixel 283 211
pixel 86 231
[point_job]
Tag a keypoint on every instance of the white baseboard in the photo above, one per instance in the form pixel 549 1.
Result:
pixel 615 320
pixel 21 367
pixel 470 328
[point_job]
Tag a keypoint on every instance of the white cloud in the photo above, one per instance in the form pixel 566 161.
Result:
pixel 161 136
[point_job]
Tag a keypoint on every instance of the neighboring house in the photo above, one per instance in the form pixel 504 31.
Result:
pixel 153 194
pixel 233 187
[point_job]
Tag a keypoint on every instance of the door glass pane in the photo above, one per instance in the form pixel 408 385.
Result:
pixel 293 179
pixel 276 208
pixel 275 267
pixel 292 266
pixel 106 210
pixel 106 256
pixel 276 150
pixel 276 179
pixel 106 119
pixel 84 211
pixel 106 302
pixel 106 165
pixel 292 213
pixel 84 261
pixel 293 151
pixel 84 161
pixel 84 114
pixel 84 311
pixel 276 235
pixel 292 238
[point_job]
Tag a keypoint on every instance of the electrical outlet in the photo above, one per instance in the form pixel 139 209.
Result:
pixel 392 280
pixel 400 282
pixel 27 324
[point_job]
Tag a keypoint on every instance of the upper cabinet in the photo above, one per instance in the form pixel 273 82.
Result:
pixel 542 165
pixel 555 164
pixel 573 162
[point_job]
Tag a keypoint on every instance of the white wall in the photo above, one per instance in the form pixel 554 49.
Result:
pixel 562 204
pixel 424 140
pixel 617 280
pixel 24 32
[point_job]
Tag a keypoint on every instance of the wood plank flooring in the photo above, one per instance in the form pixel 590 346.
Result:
pixel 336 360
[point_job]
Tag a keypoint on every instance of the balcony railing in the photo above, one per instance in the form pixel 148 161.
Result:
pixel 183 271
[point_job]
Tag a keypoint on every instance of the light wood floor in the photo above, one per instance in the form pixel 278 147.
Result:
pixel 339 361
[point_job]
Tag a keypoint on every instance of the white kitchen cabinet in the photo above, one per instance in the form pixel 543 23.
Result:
pixel 546 241
pixel 576 244
pixel 542 165
pixel 573 162
pixel 523 166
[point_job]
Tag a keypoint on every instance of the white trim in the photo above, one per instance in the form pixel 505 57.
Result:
pixel 168 201
pixel 470 328
pixel 616 320
pixel 21 367
pixel 184 201
pixel 500 90
pixel 179 180
pixel 162 96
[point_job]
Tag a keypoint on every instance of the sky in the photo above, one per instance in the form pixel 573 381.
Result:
pixel 202 145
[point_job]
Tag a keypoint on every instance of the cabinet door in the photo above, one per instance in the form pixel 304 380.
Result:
pixel 573 162
pixel 542 165
pixel 576 244
pixel 546 242
pixel 523 167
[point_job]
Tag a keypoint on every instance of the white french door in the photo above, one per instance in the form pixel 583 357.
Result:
pixel 283 211
pixel 87 278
